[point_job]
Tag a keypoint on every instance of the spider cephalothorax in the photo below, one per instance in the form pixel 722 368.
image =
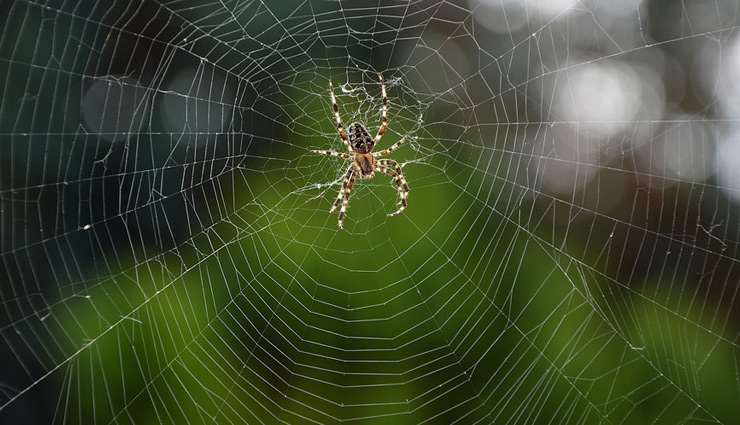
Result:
pixel 360 146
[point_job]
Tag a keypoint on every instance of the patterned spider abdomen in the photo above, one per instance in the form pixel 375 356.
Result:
pixel 359 138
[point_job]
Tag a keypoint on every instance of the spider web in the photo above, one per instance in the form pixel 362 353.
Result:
pixel 569 253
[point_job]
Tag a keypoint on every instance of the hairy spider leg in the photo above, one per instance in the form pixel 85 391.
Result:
pixel 346 188
pixel 332 153
pixel 403 187
pixel 342 134
pixel 390 149
pixel 385 110
pixel 349 174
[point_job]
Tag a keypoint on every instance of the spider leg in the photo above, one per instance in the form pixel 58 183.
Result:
pixel 340 196
pixel 332 153
pixel 349 181
pixel 385 110
pixel 342 134
pixel 390 149
pixel 403 187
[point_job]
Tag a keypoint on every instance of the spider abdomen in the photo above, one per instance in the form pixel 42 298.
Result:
pixel 360 139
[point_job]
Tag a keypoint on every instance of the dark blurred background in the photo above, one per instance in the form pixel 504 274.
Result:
pixel 569 253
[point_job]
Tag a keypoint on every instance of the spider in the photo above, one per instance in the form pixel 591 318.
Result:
pixel 360 146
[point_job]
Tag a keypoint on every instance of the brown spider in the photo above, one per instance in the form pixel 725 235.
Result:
pixel 360 146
